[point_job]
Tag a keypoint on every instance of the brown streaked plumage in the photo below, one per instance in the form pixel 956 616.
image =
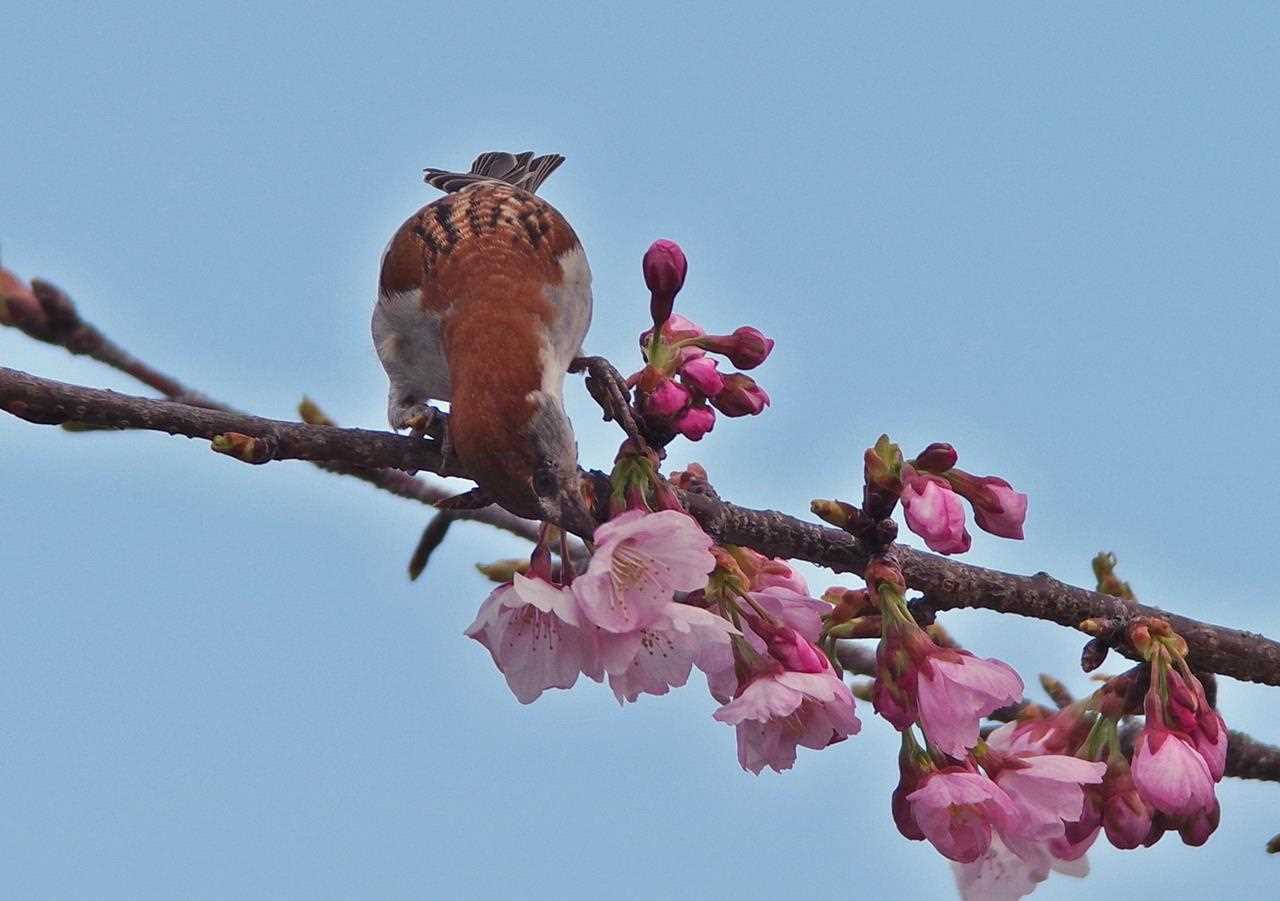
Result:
pixel 484 299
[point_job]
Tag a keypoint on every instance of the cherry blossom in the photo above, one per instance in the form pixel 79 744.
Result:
pixel 780 710
pixel 532 630
pixel 640 560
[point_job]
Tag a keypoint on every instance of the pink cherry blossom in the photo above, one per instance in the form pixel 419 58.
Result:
pixel 702 374
pixel 788 608
pixel 779 710
pixel 695 421
pixel 1170 774
pixel 1078 838
pixel 935 513
pixel 1002 874
pixel 1023 737
pixel 658 657
pixel 640 560
pixel 957 810
pixel 531 629
pixel 1047 789
pixel 793 609
pixel 954 691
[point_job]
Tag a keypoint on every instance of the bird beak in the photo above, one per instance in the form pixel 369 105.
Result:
pixel 575 516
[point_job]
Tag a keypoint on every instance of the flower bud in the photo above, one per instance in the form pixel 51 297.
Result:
pixel 741 396
pixel 882 465
pixel 1196 829
pixel 1093 654
pixel 937 457
pixel 701 373
pixel 696 421
pixel 746 348
pixel 837 513
pixel 935 513
pixel 667 400
pixel 664 267
pixel 1126 817
pixel 795 652
pixel 18 304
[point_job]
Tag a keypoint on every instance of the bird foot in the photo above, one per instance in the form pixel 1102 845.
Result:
pixel 610 391
pixel 426 422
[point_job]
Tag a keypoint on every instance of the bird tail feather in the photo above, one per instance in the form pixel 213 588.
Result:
pixel 524 170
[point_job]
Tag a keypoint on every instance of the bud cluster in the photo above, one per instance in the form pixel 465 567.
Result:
pixel 681 387
pixel 931 489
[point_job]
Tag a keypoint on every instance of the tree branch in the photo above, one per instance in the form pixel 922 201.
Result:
pixel 1248 758
pixel 54 319
pixel 949 584
pixel 946 584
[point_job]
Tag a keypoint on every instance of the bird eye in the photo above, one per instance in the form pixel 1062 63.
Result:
pixel 544 482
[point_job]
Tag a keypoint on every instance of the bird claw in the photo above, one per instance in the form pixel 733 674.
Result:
pixel 426 422
pixel 610 391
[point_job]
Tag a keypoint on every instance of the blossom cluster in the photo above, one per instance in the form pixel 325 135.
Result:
pixel 659 598
pixel 621 619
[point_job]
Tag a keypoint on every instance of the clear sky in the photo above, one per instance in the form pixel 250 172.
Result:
pixel 1050 239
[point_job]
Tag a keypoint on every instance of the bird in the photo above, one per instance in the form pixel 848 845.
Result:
pixel 484 299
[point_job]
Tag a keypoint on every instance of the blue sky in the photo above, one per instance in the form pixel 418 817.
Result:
pixel 1048 238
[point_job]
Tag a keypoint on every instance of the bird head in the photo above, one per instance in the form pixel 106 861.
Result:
pixel 555 480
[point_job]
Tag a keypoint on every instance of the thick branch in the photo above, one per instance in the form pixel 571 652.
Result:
pixel 52 317
pixel 946 584
pixel 949 584
pixel 1248 758
pixel 46 401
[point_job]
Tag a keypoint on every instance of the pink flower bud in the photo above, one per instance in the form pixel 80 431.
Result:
pixel 696 421
pixel 934 512
pixel 1169 773
pixel 741 396
pixel 795 652
pixel 1125 815
pixel 664 270
pixel 937 457
pixel 701 373
pixel 667 400
pixel 999 509
pixel 749 347
pixel 1210 738
pixel 1196 829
